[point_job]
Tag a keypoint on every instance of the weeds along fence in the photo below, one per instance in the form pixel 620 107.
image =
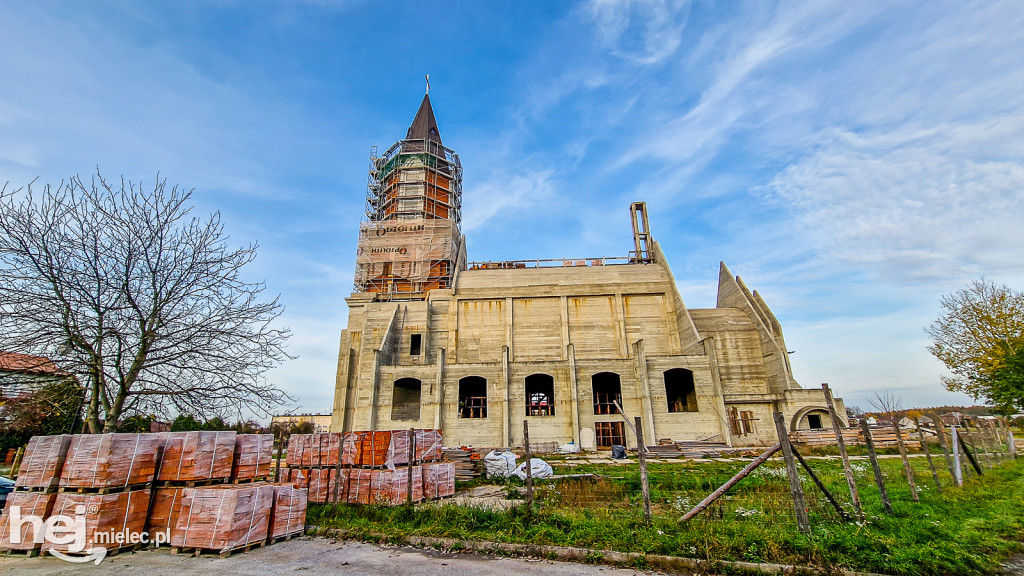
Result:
pixel 796 488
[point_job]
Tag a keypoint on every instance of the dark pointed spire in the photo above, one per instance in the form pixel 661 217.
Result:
pixel 424 127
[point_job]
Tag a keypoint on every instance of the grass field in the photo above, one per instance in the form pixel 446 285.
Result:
pixel 966 530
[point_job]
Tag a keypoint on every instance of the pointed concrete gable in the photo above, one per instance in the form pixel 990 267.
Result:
pixel 424 126
pixel 733 293
pixel 688 335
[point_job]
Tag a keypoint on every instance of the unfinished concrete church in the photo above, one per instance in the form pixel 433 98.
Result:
pixel 571 346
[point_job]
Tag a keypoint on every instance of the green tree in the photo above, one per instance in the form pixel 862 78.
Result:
pixel 1008 383
pixel 137 423
pixel 186 423
pixel 978 335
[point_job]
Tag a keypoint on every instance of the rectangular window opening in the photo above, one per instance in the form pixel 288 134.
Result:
pixel 415 343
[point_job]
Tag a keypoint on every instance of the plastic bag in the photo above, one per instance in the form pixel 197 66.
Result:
pixel 499 463
pixel 618 452
pixel 538 469
pixel 570 448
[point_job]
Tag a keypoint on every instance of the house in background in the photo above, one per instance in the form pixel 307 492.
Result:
pixel 24 374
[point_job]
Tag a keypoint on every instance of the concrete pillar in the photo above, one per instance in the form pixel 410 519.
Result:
pixel 439 392
pixel 574 408
pixel 643 382
pixel 711 351
pixel 506 412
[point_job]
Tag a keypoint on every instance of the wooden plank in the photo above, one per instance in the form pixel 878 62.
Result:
pixel 731 482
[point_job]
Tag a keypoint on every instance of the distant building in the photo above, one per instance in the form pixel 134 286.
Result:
pixel 322 422
pixel 475 348
pixel 24 374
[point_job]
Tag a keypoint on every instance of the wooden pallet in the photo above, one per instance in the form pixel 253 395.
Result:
pixel 191 483
pixel 110 551
pixel 285 537
pixel 104 489
pixel 37 489
pixel 249 480
pixel 222 553
pixel 28 553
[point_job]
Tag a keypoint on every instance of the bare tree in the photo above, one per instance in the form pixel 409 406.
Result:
pixel 888 404
pixel 143 302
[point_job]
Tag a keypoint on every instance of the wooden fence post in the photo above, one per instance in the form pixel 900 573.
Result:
pixel 970 455
pixel 841 442
pixel 958 475
pixel 940 430
pixel 645 488
pixel 907 470
pixel 821 486
pixel 529 466
pixel 879 479
pixel 928 455
pixel 795 490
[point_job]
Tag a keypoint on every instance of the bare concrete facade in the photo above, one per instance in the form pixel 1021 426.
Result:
pixel 476 351
pixel 506 335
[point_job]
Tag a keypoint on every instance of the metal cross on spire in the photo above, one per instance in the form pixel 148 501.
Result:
pixel 427 76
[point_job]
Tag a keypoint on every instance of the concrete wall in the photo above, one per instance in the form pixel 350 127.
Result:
pixel 570 323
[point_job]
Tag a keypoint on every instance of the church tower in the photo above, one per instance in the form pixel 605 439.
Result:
pixel 411 240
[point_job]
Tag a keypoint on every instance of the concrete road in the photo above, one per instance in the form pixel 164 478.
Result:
pixel 308 555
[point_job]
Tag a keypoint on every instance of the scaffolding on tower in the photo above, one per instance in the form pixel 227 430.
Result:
pixel 410 240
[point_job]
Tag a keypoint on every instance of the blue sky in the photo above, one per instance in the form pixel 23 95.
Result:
pixel 852 161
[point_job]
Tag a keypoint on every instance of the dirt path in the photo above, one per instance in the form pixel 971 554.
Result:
pixel 313 556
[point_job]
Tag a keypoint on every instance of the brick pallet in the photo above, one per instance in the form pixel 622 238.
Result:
pixel 374 466
pixel 43 461
pixel 107 479
pixel 96 461
pixel 288 516
pixel 223 518
pixel 164 509
pixel 30 503
pixel 113 514
pixel 196 456
pixel 253 457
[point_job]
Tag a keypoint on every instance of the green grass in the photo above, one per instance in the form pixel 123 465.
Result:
pixel 964 530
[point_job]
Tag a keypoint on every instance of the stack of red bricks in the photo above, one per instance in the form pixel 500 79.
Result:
pixel 370 467
pixel 123 484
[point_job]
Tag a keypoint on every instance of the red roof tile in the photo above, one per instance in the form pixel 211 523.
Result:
pixel 12 361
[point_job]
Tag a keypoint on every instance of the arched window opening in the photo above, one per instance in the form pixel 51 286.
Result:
pixel 405 399
pixel 540 395
pixel 473 397
pixel 680 390
pixel 607 391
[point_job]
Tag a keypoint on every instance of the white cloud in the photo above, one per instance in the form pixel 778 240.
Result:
pixel 644 32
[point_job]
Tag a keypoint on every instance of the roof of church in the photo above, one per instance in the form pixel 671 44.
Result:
pixel 423 126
